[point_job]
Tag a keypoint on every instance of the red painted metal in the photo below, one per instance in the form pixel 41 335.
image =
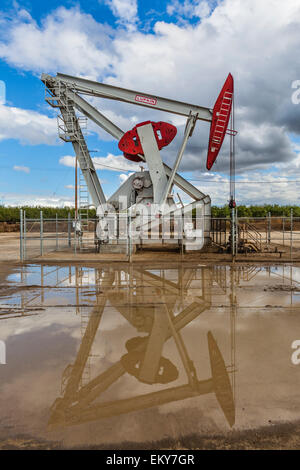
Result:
pixel 133 158
pixel 145 99
pixel 130 143
pixel 220 120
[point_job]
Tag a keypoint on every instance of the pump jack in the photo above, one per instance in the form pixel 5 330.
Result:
pixel 152 188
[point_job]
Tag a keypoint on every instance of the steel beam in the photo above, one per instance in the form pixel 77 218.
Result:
pixel 139 98
pixel 189 128
pixel 92 113
pixel 85 161
pixel 153 160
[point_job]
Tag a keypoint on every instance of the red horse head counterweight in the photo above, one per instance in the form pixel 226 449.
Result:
pixel 220 119
pixel 164 132
pixel 130 143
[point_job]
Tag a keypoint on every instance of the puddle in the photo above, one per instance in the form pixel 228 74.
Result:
pixel 100 356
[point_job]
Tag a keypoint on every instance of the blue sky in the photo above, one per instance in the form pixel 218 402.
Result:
pixel 178 49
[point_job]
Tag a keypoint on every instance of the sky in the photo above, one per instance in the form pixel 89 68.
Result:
pixel 182 50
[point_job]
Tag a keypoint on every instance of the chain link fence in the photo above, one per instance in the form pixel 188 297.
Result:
pixel 270 234
pixel 41 236
pixel 277 237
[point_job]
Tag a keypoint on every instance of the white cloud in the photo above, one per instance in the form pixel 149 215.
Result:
pixel 120 119
pixel 15 199
pixel 257 41
pixel 125 11
pixel 116 162
pixel 66 40
pixel 67 160
pixel 110 162
pixel 123 177
pixel 69 186
pixel 2 92
pixel 28 126
pixel 296 161
pixel 254 189
pixel 25 169
pixel 189 8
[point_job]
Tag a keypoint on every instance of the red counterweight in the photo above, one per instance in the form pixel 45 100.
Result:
pixel 130 143
pixel 220 119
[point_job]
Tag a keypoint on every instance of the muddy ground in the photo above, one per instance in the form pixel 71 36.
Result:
pixel 280 432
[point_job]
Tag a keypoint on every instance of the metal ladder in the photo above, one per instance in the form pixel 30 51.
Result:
pixel 72 128
pixel 250 236
pixel 222 117
pixel 84 323
pixel 83 211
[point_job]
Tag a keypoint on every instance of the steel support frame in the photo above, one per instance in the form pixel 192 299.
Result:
pixel 83 155
pixel 190 124
pixel 98 118
pixel 73 85
pixel 153 160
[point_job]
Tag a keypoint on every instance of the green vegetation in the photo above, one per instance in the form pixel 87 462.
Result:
pixel 257 211
pixel 12 214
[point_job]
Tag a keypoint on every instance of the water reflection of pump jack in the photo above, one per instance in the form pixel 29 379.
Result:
pixel 148 305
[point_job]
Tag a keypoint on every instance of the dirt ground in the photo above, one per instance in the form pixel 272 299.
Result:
pixel 277 437
pixel 9 247
pixel 279 250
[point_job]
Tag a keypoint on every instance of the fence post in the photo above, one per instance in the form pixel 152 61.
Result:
pixel 291 247
pixel 24 235
pixel 41 232
pixel 269 228
pixel 74 226
pixel 56 228
pixel 236 231
pixel 232 232
pixel 21 235
pixel 129 238
pixel 283 228
pixel 69 229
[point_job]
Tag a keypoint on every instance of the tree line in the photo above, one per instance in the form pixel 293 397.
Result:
pixel 257 211
pixel 12 214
